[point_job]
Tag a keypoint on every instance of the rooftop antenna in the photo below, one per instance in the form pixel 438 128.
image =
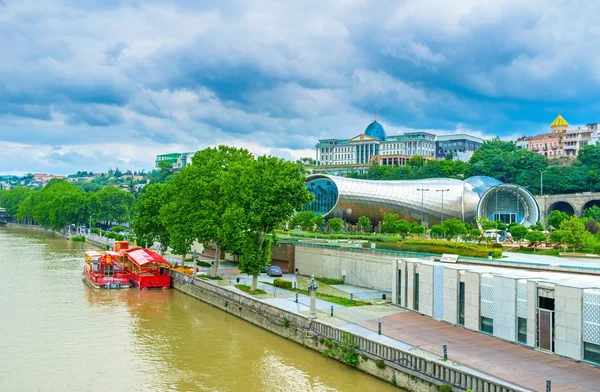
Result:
pixel 376 114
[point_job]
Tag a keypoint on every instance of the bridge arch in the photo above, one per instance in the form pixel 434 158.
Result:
pixel 590 204
pixel 563 206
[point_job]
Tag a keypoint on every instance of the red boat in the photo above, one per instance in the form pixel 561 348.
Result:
pixel 124 267
pixel 102 270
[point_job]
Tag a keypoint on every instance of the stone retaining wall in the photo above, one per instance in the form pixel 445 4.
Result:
pixel 407 370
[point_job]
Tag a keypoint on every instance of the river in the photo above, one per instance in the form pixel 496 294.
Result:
pixel 58 334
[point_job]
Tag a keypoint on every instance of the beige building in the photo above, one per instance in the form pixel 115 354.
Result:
pixel 550 311
pixel 561 141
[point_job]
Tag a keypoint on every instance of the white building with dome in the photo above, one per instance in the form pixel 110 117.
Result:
pixel 336 156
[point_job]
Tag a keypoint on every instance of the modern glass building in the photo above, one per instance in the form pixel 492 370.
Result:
pixel 428 201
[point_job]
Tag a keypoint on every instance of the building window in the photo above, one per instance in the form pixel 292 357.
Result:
pixel 522 330
pixel 461 303
pixel 487 325
pixel 399 287
pixel 591 352
pixel 416 293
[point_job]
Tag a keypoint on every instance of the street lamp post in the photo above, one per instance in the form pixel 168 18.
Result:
pixel 90 226
pixel 542 181
pixel 422 190
pixel 442 190
pixel 312 287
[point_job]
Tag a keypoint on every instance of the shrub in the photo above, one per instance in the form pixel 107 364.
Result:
pixel 440 247
pixel 286 322
pixel 204 264
pixel 119 237
pixel 95 230
pixel 321 340
pixel 284 284
pixel 111 234
pixel 118 228
pixel 445 388
pixel 364 357
pixel 78 238
pixel 380 363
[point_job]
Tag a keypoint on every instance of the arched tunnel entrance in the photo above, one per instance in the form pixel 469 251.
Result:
pixel 590 204
pixel 562 206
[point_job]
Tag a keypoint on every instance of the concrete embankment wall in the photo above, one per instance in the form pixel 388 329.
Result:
pixel 363 267
pixel 410 371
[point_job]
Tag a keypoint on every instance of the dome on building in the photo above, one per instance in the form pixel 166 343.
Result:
pixel 559 122
pixel 375 130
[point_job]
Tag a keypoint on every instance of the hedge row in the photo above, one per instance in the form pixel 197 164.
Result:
pixel 440 247
pixel 345 236
pixel 284 284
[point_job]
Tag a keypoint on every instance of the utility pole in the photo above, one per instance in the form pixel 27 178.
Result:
pixel 422 190
pixel 442 190
pixel 542 181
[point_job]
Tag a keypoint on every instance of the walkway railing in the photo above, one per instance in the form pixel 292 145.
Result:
pixel 428 369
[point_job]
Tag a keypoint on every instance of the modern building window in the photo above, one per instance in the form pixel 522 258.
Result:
pixel 591 352
pixel 522 330
pixel 416 293
pixel 487 325
pixel 400 288
pixel 461 303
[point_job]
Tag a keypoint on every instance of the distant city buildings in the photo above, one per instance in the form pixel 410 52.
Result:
pixel 342 156
pixel 461 146
pixel 561 141
pixel 176 159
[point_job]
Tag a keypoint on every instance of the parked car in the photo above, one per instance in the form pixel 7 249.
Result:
pixel 265 269
pixel 274 271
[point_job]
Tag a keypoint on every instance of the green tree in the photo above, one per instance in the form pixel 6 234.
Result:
pixel 535 237
pixel 388 224
pixel 205 201
pixel 304 219
pixel 147 224
pixel 453 228
pixel 557 236
pixel 574 232
pixel 163 173
pixel 402 227
pixel 555 218
pixel 500 225
pixel 475 234
pixel 364 223
pixel 486 224
pixel 416 228
pixel 319 221
pixel 268 190
pixel 518 232
pixel 335 224
pixel 116 205
pixel 436 231
pixel 593 213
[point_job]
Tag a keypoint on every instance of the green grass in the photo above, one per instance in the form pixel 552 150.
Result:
pixel 204 264
pixel 246 289
pixel 541 252
pixel 330 298
pixel 210 277
pixel 329 281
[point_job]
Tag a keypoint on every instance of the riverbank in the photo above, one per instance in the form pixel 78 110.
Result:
pixel 379 356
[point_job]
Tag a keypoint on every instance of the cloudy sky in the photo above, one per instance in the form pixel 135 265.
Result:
pixel 87 85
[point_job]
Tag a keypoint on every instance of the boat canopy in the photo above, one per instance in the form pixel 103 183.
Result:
pixel 93 254
pixel 141 256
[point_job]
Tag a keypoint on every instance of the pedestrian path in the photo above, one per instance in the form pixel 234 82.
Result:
pixel 524 366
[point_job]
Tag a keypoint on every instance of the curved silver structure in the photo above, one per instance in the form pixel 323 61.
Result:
pixel 428 201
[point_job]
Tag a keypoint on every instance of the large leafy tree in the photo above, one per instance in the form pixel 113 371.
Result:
pixel 205 199
pixel 268 190
pixel 116 205
pixel 535 237
pixel 147 224
pixel 574 232
pixel 388 224
pixel 555 218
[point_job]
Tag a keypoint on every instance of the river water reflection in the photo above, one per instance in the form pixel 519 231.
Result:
pixel 57 334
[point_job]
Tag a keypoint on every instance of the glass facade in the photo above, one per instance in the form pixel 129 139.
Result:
pixel 326 195
pixel 522 330
pixel 416 293
pixel 349 199
pixel 487 325
pixel 461 304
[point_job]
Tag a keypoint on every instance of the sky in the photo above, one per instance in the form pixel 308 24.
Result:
pixel 88 85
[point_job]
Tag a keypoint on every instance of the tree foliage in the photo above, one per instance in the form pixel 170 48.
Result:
pixel 148 225
pixel 304 219
pixel 453 228
pixel 518 232
pixel 555 218
pixel 364 224
pixel 335 224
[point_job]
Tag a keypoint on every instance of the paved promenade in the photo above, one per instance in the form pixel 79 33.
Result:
pixel 411 331
pixel 524 366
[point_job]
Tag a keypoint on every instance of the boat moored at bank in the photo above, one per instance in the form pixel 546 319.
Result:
pixel 125 267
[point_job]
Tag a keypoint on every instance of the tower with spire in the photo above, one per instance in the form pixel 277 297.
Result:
pixel 559 125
